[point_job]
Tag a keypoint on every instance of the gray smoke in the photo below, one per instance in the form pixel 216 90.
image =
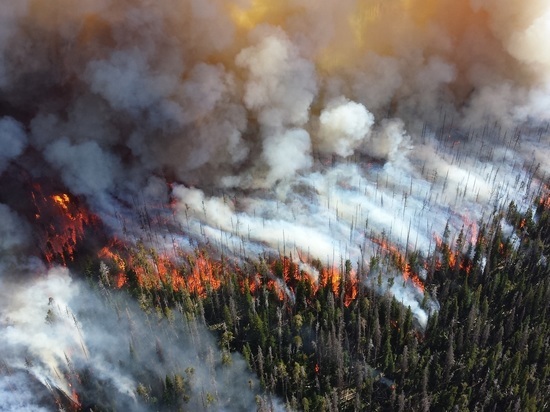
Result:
pixel 61 334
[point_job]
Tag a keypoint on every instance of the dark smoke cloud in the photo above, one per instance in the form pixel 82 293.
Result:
pixel 13 140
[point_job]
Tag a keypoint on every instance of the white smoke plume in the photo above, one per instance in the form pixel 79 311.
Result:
pixel 58 332
pixel 343 127
pixel 275 127
pixel 19 393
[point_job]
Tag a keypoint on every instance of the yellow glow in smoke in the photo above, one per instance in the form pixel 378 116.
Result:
pixel 356 37
pixel 330 59
pixel 421 12
pixel 259 11
pixel 359 20
pixel 372 26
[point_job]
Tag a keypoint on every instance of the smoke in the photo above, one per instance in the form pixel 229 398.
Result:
pixel 343 126
pixel 52 340
pixel 280 84
pixel 13 140
pixel 20 393
pixel 14 233
pixel 86 168
pixel 272 127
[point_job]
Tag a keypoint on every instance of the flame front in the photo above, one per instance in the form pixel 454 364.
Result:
pixel 200 275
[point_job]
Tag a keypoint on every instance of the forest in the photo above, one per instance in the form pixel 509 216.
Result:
pixel 334 344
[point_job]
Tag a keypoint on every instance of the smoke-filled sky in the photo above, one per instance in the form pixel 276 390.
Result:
pixel 294 126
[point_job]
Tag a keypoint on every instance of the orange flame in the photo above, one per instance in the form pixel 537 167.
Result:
pixel 62 223
pixel 545 202
pixel 453 256
pixel 254 283
pixel 330 277
pixel 400 261
pixel 204 276
pixel 121 280
pixel 472 228
pixel 277 288
pixel 75 398
pixel 107 252
pixel 352 288
pixel 544 199
pixel 151 271
pixel 62 200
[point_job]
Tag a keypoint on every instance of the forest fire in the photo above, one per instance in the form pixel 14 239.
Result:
pixel 401 262
pixel 61 223
pixel 111 253
pixel 352 288
pixel 277 288
pixel 205 275
pixel 408 274
pixel 254 282
pixel 472 228
pixel 76 400
pixel 176 155
pixel 330 277
pixel 452 259
pixel 62 200
pixel 544 197
pixel 199 274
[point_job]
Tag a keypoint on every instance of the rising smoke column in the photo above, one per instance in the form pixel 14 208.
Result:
pixel 286 127
pixel 125 92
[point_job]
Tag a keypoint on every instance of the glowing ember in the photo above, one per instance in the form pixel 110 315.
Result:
pixel 545 202
pixel 544 199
